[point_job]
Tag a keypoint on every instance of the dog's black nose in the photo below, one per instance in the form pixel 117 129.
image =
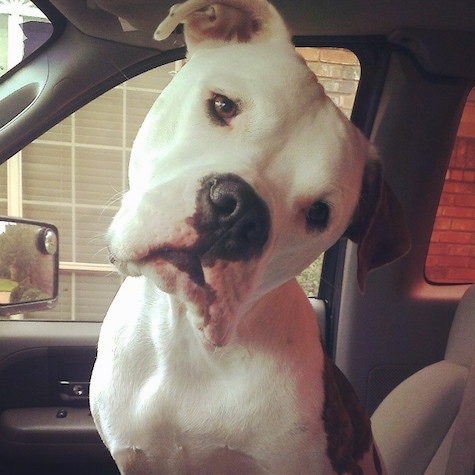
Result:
pixel 232 220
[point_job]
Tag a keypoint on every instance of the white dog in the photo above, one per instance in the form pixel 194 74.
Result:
pixel 243 172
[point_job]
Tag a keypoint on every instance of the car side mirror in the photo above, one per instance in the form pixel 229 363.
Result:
pixel 29 264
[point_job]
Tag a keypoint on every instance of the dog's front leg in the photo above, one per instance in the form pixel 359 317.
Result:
pixel 133 461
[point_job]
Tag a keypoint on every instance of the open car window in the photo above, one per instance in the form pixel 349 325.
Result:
pixel 23 29
pixel 74 176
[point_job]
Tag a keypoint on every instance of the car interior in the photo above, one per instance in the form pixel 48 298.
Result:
pixel 405 74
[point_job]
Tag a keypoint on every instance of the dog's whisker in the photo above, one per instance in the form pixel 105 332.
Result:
pixel 99 238
pixel 103 250
pixel 113 201
pixel 121 71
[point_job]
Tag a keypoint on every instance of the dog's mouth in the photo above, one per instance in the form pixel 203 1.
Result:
pixel 184 260
pixel 215 288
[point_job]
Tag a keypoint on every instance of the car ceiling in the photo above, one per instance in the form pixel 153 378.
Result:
pixel 133 21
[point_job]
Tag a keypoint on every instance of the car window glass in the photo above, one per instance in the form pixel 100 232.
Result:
pixel 74 174
pixel 451 255
pixel 23 29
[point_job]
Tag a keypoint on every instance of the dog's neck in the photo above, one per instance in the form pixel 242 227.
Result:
pixel 278 318
pixel 281 321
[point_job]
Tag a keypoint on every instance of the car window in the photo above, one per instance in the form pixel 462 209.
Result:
pixel 451 255
pixel 23 29
pixel 74 175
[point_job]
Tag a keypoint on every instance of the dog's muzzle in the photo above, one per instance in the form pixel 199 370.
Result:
pixel 232 223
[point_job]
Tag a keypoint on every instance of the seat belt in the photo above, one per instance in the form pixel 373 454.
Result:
pixel 461 459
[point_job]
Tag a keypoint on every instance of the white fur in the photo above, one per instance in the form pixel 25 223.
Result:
pixel 183 384
pixel 173 392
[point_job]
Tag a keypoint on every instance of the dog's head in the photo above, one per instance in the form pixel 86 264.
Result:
pixel 244 171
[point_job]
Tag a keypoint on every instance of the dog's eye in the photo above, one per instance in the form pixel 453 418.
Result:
pixel 318 215
pixel 223 108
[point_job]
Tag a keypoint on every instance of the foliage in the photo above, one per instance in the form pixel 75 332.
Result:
pixel 17 252
pixel 7 285
pixel 309 278
pixel 27 294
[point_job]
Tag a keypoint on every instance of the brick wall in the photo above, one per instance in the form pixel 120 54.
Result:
pixel 451 256
pixel 338 71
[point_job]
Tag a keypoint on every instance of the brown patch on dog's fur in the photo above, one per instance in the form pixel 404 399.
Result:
pixel 377 460
pixel 346 422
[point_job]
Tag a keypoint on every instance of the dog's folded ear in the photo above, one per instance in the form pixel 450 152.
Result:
pixel 223 21
pixel 378 226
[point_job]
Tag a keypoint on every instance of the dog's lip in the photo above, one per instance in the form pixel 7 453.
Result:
pixel 184 260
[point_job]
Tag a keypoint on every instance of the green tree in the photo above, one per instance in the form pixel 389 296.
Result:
pixel 17 251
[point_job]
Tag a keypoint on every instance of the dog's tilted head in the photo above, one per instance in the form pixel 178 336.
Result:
pixel 243 171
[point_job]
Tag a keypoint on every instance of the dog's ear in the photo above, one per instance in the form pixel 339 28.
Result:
pixel 223 21
pixel 378 226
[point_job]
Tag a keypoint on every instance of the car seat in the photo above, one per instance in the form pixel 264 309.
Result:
pixel 426 425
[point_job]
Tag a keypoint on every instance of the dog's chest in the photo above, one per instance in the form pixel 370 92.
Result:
pixel 176 399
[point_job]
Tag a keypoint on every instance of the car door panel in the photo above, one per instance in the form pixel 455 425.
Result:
pixel 44 414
